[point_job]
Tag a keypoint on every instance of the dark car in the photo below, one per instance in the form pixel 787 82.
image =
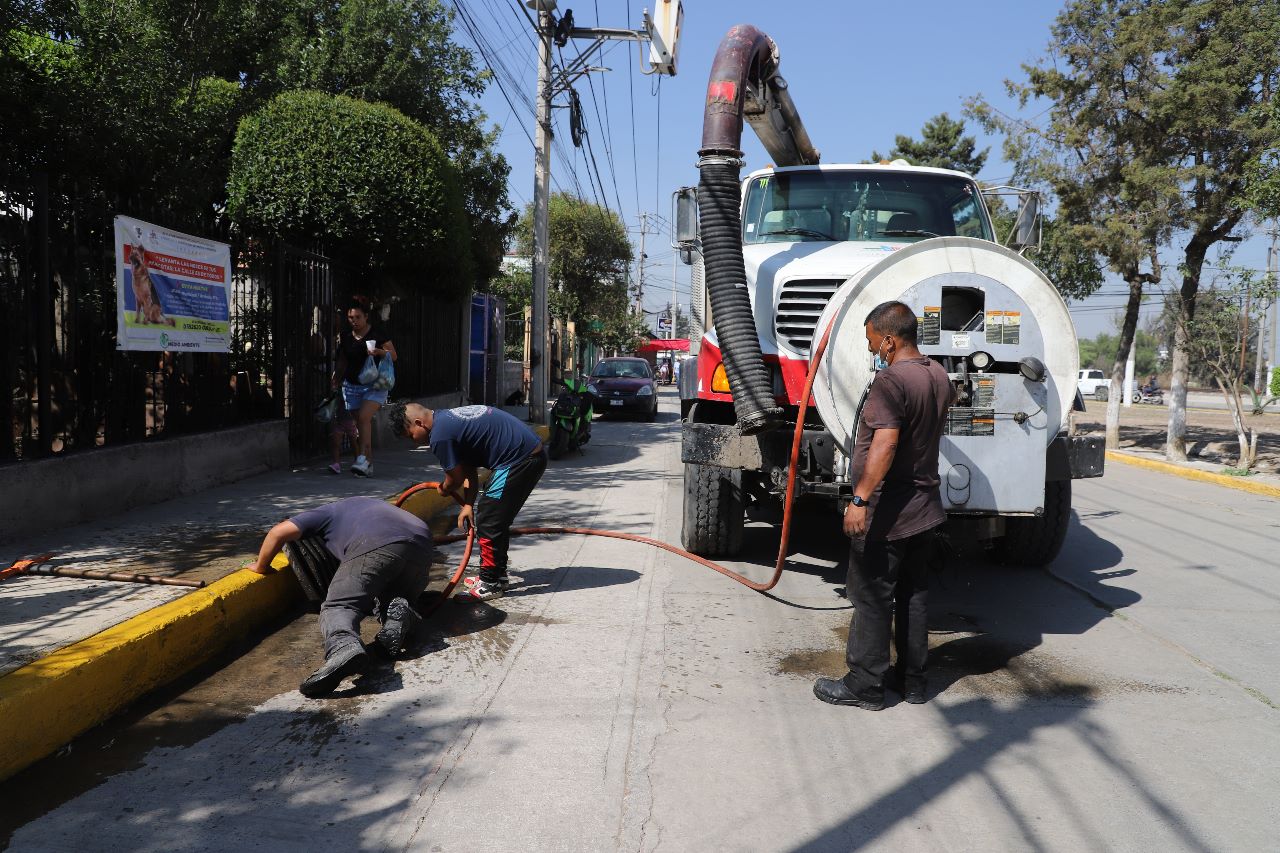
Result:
pixel 624 385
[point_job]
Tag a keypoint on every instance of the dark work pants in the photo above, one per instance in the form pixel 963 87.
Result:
pixel 396 570
pixel 888 581
pixel 496 508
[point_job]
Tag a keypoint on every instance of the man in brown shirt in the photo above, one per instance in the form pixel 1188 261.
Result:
pixel 895 516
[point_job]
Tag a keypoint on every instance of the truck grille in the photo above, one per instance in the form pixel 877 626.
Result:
pixel 800 303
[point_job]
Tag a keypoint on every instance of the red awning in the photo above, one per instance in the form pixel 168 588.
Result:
pixel 663 345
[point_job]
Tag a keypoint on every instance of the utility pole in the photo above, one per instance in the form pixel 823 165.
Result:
pixel 644 229
pixel 672 336
pixel 662 34
pixel 538 360
pixel 1267 330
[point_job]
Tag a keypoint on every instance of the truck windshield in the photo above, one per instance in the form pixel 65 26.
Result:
pixel 889 207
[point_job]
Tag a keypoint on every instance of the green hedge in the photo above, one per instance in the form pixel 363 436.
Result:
pixel 1275 382
pixel 371 182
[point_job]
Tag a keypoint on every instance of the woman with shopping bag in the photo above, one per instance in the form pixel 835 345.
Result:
pixel 366 373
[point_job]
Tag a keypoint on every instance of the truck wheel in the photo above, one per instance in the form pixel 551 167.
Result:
pixel 1036 541
pixel 713 510
pixel 1101 393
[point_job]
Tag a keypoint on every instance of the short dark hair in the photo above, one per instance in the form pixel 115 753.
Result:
pixel 398 418
pixel 894 318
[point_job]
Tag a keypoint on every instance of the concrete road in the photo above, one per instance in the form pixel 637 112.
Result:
pixel 624 699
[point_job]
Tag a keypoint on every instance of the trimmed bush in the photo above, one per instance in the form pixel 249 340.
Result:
pixel 372 183
pixel 1275 382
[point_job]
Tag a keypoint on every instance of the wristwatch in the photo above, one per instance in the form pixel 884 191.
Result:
pixel 857 501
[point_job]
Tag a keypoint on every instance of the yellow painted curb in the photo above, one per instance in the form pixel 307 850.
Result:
pixel 1196 474
pixel 46 703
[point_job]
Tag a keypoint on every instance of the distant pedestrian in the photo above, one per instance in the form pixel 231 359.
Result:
pixel 383 552
pixel 360 398
pixel 895 517
pixel 467 439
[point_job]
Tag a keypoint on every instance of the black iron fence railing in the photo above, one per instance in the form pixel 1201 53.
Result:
pixel 65 387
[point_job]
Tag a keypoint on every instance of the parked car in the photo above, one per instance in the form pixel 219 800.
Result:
pixel 1094 383
pixel 624 385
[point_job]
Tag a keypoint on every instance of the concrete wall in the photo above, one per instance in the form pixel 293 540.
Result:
pixel 52 493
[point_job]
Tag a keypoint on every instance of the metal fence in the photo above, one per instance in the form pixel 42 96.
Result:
pixel 64 387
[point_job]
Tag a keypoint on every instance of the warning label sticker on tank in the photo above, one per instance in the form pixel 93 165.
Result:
pixel 984 392
pixel 1004 327
pixel 971 421
pixel 930 333
pixel 1012 327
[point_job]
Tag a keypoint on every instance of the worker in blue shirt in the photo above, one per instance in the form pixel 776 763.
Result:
pixel 466 439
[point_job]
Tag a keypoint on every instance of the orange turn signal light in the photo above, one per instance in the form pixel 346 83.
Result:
pixel 720 380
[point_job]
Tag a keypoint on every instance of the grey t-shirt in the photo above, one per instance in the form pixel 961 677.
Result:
pixel 356 526
pixel 911 396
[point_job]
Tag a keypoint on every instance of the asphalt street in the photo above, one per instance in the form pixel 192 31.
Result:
pixel 624 699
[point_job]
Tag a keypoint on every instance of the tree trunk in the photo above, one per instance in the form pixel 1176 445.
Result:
pixel 1175 448
pixel 1236 405
pixel 1128 331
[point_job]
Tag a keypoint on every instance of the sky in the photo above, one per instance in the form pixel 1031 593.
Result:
pixel 860 73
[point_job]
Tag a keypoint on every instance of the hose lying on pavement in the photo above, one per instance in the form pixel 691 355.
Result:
pixel 789 501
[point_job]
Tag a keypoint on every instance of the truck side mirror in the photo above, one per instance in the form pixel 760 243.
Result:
pixel 1025 226
pixel 684 204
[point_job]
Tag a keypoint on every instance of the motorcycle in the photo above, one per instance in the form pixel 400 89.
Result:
pixel 1147 394
pixel 570 417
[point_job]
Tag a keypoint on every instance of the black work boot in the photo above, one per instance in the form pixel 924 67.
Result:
pixel 344 660
pixel 401 624
pixel 835 692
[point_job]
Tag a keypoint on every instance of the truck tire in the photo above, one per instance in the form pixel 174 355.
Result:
pixel 714 513
pixel 1101 393
pixel 1036 541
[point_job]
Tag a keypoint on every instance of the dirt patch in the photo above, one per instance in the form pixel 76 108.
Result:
pixel 1211 434
pixel 984 664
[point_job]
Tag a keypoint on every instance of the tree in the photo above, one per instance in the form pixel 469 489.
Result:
pixel 1155 114
pixel 401 52
pixel 1213 339
pixel 369 180
pixel 589 256
pixel 942 145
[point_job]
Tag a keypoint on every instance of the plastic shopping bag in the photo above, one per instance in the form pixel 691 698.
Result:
pixel 386 375
pixel 369 372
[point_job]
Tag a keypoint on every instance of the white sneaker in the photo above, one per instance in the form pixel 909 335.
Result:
pixel 361 467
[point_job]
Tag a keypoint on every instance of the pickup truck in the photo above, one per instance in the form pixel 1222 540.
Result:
pixel 1094 383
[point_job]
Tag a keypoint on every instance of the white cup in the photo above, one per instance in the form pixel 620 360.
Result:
pixel 371 345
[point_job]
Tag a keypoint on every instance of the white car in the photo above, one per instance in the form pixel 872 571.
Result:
pixel 1094 383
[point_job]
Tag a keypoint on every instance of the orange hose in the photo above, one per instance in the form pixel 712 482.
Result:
pixel 796 438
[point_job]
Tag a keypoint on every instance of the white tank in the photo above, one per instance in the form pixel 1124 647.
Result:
pixel 970 296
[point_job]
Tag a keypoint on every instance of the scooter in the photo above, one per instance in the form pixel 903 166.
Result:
pixel 1147 394
pixel 570 417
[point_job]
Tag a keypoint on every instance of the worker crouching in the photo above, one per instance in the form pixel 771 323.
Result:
pixel 384 553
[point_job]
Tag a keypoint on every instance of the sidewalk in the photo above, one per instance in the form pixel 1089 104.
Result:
pixel 73 651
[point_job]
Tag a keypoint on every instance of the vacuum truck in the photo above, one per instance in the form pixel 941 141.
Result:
pixel 800 249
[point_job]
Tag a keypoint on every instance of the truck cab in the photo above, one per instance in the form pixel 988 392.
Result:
pixel 807 229
pixel 806 233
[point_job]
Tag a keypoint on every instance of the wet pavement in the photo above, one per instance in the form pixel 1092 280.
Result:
pixel 623 699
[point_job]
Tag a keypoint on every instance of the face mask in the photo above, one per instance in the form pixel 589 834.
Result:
pixel 880 363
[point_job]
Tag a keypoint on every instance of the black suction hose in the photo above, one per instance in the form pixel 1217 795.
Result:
pixel 721 227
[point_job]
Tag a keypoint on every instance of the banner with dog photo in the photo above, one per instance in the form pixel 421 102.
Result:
pixel 173 290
